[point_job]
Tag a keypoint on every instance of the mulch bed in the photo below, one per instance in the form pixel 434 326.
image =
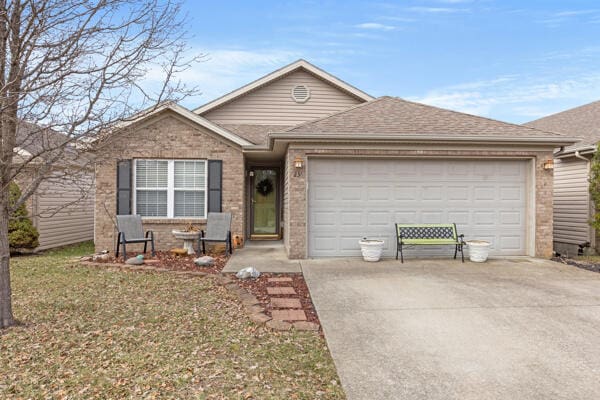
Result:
pixel 258 287
pixel 164 259
pixel 588 265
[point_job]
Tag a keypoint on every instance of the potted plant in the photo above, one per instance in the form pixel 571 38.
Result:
pixel 478 250
pixel 371 249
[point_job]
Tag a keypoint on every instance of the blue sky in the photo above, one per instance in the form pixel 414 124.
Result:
pixel 510 60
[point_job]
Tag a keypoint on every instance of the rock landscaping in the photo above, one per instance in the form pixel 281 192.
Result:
pixel 210 264
pixel 589 263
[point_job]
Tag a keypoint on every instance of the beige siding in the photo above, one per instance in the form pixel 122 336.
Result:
pixel 273 104
pixel 571 201
pixel 64 210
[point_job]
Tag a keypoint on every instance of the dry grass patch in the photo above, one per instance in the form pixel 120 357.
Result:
pixel 93 333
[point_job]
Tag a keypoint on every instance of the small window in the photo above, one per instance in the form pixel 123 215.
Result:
pixel 300 93
pixel 151 183
pixel 170 188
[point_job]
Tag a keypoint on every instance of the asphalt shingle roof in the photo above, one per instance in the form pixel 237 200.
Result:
pixel 256 134
pixel 582 122
pixel 394 116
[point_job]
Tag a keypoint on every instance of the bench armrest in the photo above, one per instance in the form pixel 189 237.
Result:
pixel 461 239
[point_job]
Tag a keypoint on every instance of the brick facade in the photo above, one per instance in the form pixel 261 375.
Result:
pixel 166 136
pixel 295 206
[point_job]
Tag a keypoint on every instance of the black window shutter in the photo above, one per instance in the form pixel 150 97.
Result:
pixel 124 187
pixel 215 183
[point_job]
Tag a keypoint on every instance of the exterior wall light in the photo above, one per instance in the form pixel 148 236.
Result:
pixel 298 166
pixel 549 164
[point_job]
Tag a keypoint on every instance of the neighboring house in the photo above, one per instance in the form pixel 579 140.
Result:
pixel 303 156
pixel 62 207
pixel 572 203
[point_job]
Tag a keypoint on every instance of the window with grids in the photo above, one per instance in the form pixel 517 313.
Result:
pixel 170 188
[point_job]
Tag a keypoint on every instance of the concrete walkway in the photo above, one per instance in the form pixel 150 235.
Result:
pixel 440 329
pixel 265 256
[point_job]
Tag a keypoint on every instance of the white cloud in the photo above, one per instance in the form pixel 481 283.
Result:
pixel 522 97
pixel 574 13
pixel 437 10
pixel 225 70
pixel 375 26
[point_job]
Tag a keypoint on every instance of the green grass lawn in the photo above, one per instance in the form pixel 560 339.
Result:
pixel 90 333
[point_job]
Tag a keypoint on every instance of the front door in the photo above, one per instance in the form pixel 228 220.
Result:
pixel 264 193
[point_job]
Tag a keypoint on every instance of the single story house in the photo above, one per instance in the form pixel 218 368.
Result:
pixel 573 208
pixel 303 156
pixel 62 206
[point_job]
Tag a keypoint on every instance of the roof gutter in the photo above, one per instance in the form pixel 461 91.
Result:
pixel 578 153
pixel 368 137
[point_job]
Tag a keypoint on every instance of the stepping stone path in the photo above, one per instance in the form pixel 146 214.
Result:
pixel 288 315
pixel 282 279
pixel 280 302
pixel 281 290
pixel 286 310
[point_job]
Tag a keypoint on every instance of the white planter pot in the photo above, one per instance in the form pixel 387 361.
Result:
pixel 478 250
pixel 371 249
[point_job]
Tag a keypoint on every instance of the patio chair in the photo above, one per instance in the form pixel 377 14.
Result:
pixel 218 229
pixel 131 231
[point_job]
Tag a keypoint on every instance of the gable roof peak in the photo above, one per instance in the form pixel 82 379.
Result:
pixel 277 74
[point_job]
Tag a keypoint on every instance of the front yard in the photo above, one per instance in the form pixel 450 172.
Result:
pixel 94 333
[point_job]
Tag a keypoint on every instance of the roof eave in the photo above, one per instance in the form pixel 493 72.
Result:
pixel 185 113
pixel 532 140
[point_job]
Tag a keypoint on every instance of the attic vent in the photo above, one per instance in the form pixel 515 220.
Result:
pixel 300 93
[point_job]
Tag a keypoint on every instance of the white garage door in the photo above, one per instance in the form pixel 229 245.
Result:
pixel 351 199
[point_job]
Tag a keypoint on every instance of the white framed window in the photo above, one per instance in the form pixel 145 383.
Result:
pixel 170 188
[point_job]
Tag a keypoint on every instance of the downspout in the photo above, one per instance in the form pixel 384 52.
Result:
pixel 592 232
pixel 578 155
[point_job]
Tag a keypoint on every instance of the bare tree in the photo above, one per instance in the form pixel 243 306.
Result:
pixel 77 67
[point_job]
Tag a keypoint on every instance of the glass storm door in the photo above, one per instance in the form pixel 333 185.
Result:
pixel 264 191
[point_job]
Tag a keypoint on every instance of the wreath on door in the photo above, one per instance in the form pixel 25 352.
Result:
pixel 264 187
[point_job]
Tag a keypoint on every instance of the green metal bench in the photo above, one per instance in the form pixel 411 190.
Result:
pixel 429 234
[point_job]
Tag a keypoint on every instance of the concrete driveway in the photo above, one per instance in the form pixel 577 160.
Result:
pixel 510 329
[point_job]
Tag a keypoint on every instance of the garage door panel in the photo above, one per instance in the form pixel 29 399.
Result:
pixel 378 193
pixel 511 193
pixel 323 219
pixel 486 199
pixel 459 217
pixel 510 242
pixel 432 217
pixel 458 193
pixel 431 169
pixel 350 192
pixel 351 170
pixel 378 218
pixel 508 218
pixel 432 193
pixel 484 218
pixel 351 218
pixel 405 193
pixel 405 217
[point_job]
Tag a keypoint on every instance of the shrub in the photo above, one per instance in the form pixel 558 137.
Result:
pixel 21 232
